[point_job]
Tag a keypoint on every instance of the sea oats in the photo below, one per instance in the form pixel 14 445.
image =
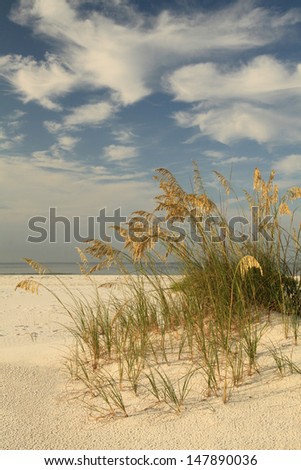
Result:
pixel 248 262
pixel 106 253
pixel 203 202
pixel 274 197
pixel 257 180
pixel 29 285
pixel 294 193
pixel 168 181
pixel 249 198
pixel 82 256
pixel 223 181
pixel 284 209
pixel 271 179
pixel 39 268
pixel 198 185
pixel 264 190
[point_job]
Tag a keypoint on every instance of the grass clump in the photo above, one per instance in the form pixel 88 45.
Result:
pixel 210 318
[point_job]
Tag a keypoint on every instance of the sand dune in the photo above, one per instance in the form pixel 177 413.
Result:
pixel 38 412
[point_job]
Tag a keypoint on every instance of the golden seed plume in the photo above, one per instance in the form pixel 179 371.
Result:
pixel 248 262
pixel 271 179
pixel 224 182
pixel 39 268
pixel 102 251
pixel 29 285
pixel 274 197
pixel 284 209
pixel 84 266
pixel 249 198
pixel 82 256
pixel 168 181
pixel 294 193
pixel 257 180
pixel 198 184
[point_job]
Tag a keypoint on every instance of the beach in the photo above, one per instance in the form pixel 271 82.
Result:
pixel 40 411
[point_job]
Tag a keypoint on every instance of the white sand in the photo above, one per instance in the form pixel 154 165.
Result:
pixel 36 413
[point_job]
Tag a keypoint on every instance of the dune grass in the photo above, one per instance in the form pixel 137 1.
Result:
pixel 209 320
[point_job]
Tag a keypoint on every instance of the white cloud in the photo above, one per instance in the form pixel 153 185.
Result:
pixel 19 138
pixel 53 159
pixel 264 79
pixel 92 114
pixel 41 81
pixel 6 145
pixel 120 153
pixel 233 160
pixel 52 126
pixel 56 153
pixel 214 154
pixel 8 140
pixel 231 123
pixel 126 54
pixel 192 139
pixel 289 165
pixel 260 100
pixel 222 158
pixel 124 136
pixel 67 142
pixel 89 114
pixel 15 115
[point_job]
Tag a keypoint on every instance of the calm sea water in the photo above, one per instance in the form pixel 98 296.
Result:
pixel 73 268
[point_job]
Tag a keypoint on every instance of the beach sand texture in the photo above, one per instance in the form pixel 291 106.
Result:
pixel 37 411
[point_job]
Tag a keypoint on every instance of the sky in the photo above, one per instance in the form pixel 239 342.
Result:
pixel 95 95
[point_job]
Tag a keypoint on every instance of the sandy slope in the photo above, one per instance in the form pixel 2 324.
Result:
pixel 37 414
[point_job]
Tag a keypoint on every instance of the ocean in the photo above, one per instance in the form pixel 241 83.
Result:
pixel 73 268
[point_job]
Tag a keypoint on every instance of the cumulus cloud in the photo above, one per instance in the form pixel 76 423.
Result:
pixel 52 126
pixel 127 54
pixel 289 165
pixel 259 100
pixel 120 153
pixel 228 123
pixel 91 114
pixel 41 81
pixel 264 78
pixel 67 142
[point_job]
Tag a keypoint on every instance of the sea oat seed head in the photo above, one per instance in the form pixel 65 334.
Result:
pixel 257 180
pixel 284 209
pixel 294 193
pixel 248 262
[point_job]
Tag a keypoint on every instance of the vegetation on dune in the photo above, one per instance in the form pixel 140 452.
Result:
pixel 201 330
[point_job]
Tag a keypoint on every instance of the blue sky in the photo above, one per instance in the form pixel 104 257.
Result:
pixel 97 94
